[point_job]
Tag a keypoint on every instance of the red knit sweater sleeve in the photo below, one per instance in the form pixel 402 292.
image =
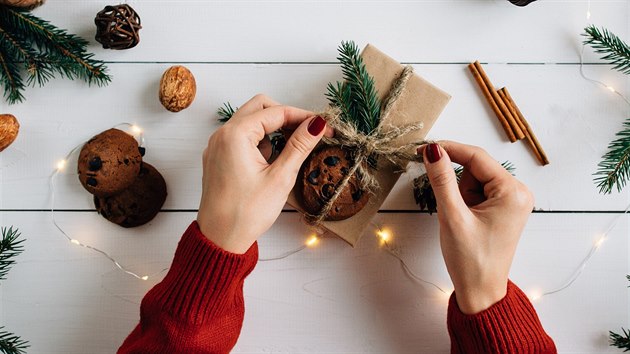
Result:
pixel 509 326
pixel 198 307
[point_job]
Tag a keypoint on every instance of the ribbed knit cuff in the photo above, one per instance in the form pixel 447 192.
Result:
pixel 204 279
pixel 509 326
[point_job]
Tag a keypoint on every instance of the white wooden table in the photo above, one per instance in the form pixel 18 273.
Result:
pixel 332 298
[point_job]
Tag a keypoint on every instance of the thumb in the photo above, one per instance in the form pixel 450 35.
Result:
pixel 299 146
pixel 443 180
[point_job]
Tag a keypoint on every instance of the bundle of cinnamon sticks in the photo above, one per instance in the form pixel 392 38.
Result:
pixel 509 115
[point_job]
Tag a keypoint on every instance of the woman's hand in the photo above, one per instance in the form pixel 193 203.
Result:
pixel 242 193
pixel 481 221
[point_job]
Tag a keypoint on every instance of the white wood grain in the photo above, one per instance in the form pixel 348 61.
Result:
pixel 573 119
pixel 308 31
pixel 331 298
pixel 65 299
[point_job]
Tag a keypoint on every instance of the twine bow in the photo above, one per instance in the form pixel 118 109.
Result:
pixel 368 147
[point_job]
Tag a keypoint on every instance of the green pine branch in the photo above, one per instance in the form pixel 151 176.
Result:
pixel 621 341
pixel 615 51
pixel 614 169
pixel 31 45
pixel 11 344
pixel 226 112
pixel 10 248
pixel 423 191
pixel 356 96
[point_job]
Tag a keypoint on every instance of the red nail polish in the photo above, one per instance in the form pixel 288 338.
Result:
pixel 316 126
pixel 433 153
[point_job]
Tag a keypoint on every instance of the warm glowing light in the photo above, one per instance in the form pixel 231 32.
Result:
pixel 599 242
pixel 61 165
pixel 383 235
pixel 76 242
pixel 611 89
pixel 534 295
pixel 312 241
pixel 588 15
pixel 136 129
pixel 146 277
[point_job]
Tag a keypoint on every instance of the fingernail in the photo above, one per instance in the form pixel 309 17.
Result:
pixel 433 152
pixel 420 150
pixel 316 126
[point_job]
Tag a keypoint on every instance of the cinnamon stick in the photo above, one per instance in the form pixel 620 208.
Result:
pixel 518 133
pixel 531 137
pixel 493 105
pixel 528 137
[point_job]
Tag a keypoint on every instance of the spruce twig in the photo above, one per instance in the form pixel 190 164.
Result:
pixel 356 96
pixel 226 112
pixel 618 340
pixel 11 344
pixel 614 169
pixel 423 191
pixel 35 46
pixel 615 51
pixel 10 247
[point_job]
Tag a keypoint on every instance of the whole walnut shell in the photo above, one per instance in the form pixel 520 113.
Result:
pixel 25 4
pixel 177 88
pixel 9 128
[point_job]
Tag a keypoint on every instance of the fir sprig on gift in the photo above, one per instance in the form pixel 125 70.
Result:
pixel 356 96
pixel 35 47
pixel 10 247
pixel 614 169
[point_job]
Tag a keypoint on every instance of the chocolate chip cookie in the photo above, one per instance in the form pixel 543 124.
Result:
pixel 137 204
pixel 320 175
pixel 109 163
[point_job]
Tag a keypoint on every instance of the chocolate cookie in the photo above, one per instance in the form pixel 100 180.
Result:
pixel 109 163
pixel 321 173
pixel 137 204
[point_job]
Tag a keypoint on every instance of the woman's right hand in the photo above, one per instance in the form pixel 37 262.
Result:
pixel 481 220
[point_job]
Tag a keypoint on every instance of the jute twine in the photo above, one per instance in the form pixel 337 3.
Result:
pixel 372 146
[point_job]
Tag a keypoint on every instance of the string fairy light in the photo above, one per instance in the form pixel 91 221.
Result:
pixel 385 236
pixel 601 238
pixel 60 168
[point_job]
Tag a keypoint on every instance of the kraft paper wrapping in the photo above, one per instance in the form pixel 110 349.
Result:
pixel 420 101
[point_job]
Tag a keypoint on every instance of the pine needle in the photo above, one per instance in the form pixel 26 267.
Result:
pixel 423 191
pixel 615 51
pixel 11 344
pixel 10 247
pixel 226 112
pixel 614 169
pixel 356 96
pixel 31 45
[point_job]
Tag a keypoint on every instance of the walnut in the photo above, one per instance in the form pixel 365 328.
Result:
pixel 177 88
pixel 9 128
pixel 27 4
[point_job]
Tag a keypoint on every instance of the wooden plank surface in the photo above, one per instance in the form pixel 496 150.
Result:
pixel 573 119
pixel 304 31
pixel 333 298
